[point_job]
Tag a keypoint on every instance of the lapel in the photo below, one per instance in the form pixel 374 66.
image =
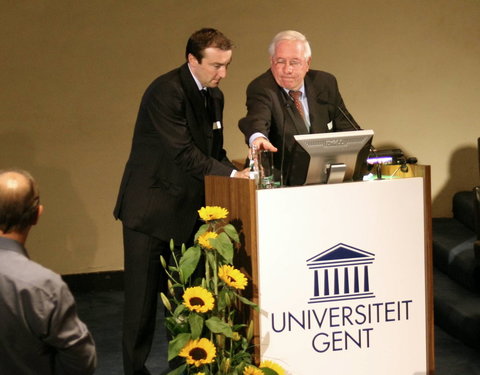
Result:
pixel 318 109
pixel 198 122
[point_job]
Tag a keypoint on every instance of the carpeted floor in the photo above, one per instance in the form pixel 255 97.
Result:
pixel 102 312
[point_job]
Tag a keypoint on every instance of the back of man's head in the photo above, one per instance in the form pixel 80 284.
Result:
pixel 19 201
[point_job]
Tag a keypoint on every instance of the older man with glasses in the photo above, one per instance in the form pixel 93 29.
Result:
pixel 291 99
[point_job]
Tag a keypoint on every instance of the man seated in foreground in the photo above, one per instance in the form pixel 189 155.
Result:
pixel 40 331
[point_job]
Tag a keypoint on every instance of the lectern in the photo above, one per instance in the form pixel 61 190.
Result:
pixel 342 272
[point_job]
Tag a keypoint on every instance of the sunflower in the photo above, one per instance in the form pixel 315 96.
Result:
pixel 210 213
pixel 198 299
pixel 272 366
pixel 198 352
pixel 204 239
pixel 252 370
pixel 232 277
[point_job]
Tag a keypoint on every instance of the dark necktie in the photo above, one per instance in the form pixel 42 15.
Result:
pixel 206 102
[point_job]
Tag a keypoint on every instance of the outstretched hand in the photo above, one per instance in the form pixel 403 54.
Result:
pixel 262 143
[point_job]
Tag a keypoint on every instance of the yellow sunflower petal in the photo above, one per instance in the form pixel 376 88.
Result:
pixel 252 370
pixel 199 352
pixel 273 366
pixel 204 239
pixel 210 213
pixel 232 277
pixel 198 299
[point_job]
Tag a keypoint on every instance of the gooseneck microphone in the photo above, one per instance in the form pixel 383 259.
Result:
pixel 354 125
pixel 288 108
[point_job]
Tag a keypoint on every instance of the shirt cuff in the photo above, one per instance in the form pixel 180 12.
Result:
pixel 255 136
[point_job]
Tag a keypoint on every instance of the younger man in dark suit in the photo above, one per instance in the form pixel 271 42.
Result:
pixel 178 140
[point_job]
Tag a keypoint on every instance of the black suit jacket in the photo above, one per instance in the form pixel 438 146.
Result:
pixel 271 111
pixel 174 146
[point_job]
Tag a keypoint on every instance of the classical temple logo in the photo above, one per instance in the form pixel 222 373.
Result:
pixel 341 273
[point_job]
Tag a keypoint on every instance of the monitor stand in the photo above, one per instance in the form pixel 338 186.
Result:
pixel 336 173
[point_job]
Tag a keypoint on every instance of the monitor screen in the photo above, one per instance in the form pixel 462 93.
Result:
pixel 329 157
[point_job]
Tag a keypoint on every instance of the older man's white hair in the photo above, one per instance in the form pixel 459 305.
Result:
pixel 290 35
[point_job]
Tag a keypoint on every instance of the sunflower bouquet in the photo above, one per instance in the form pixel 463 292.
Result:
pixel 203 303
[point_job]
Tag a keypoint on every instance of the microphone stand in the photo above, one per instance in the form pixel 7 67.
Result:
pixel 287 106
pixel 372 149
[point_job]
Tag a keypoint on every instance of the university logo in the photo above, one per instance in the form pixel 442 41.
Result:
pixel 341 273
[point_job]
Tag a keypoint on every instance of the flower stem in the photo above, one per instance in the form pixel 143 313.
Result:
pixel 215 274
pixel 207 270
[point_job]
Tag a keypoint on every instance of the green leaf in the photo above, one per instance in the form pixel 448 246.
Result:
pixel 247 302
pixel 231 232
pixel 179 370
pixel 196 325
pixel 179 309
pixel 211 261
pixel 268 371
pixel 175 328
pixel 216 325
pixel 237 327
pixel 224 246
pixel 189 261
pixel 223 299
pixel 177 344
pixel 172 269
pixel 244 344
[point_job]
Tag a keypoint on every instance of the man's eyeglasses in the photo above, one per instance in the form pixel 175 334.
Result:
pixel 294 63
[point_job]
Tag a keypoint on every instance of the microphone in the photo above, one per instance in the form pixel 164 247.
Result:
pixel 354 125
pixel 287 107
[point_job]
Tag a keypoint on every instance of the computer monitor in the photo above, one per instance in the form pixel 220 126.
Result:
pixel 329 157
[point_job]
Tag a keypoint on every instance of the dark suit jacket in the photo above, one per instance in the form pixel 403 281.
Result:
pixel 173 148
pixel 271 111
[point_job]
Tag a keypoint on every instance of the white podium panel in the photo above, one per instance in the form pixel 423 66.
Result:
pixel 342 278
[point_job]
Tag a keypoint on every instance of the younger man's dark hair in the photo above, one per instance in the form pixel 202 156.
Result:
pixel 205 38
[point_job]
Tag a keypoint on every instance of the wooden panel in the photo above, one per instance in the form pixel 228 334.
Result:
pixel 416 170
pixel 425 172
pixel 239 197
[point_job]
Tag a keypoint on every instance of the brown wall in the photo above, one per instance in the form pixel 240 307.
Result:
pixel 72 74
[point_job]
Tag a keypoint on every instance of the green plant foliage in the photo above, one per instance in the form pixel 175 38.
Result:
pixel 203 303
